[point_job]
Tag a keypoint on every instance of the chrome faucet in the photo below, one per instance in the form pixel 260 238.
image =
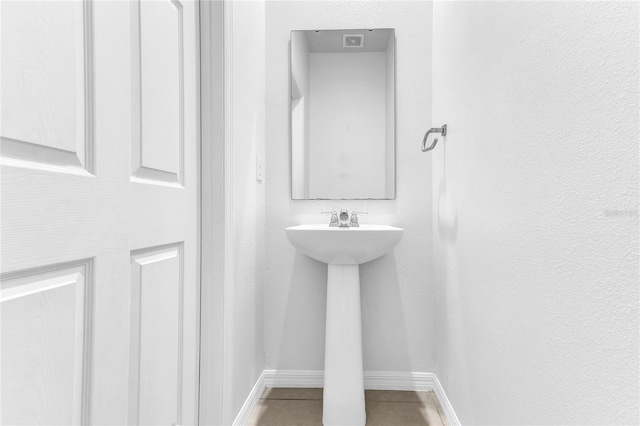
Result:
pixel 334 218
pixel 353 222
pixel 344 218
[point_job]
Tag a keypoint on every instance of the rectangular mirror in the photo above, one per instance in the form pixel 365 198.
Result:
pixel 342 114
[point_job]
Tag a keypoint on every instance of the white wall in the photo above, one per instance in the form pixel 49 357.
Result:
pixel 347 125
pixel 248 89
pixel 536 199
pixel 397 292
pixel 300 114
pixel 390 116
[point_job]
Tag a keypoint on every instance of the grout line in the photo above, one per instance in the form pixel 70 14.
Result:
pixel 405 402
pixel 434 397
pixel 440 416
pixel 290 399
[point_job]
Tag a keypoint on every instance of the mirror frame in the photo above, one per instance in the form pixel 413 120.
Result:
pixel 395 118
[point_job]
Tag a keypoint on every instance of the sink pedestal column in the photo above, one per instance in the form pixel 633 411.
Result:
pixel 343 399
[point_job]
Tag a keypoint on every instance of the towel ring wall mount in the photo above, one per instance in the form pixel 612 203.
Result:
pixel 442 130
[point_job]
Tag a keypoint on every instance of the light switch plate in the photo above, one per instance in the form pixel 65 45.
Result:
pixel 259 168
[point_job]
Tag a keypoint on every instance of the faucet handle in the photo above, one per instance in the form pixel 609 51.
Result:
pixel 334 217
pixel 354 218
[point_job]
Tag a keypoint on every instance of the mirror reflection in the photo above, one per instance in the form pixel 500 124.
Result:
pixel 343 114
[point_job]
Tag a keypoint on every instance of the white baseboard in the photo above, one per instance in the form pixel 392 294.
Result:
pixel 447 409
pixel 251 402
pixel 398 380
pixel 294 378
pixel 378 380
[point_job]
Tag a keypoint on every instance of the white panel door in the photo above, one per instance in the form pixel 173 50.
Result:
pixel 99 212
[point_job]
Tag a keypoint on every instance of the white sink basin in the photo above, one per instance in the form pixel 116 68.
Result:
pixel 344 246
pixel 343 249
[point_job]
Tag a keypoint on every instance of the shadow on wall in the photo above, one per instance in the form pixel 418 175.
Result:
pixel 384 341
pixel 447 214
pixel 302 342
pixel 449 321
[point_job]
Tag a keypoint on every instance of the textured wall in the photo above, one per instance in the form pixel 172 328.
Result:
pixel 397 289
pixel 536 211
pixel 248 88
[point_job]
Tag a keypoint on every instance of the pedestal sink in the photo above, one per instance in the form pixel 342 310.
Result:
pixel 343 249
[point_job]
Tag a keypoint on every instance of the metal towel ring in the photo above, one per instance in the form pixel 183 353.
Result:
pixel 442 130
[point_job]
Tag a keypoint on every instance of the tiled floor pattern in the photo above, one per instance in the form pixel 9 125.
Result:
pixel 303 407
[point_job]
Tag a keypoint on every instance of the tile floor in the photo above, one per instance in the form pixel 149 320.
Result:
pixel 303 407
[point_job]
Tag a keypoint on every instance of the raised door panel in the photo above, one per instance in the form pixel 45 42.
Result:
pixel 140 231
pixel 156 336
pixel 157 147
pixel 46 85
pixel 45 344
